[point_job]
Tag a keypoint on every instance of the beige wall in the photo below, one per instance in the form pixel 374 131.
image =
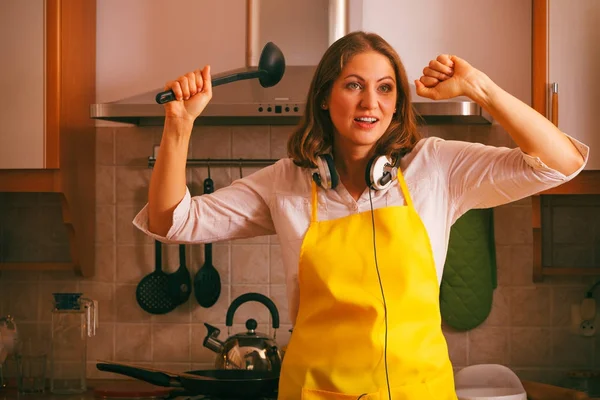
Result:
pixel 527 329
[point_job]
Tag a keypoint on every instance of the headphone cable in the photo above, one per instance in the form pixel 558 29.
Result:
pixel 383 297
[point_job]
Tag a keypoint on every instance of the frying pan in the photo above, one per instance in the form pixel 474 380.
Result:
pixel 224 383
pixel 271 67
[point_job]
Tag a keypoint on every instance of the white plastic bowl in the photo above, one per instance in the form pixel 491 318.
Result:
pixel 494 393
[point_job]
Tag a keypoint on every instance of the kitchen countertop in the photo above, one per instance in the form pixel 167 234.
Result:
pixel 13 394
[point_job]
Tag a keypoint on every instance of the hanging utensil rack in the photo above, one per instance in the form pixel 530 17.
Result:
pixel 219 162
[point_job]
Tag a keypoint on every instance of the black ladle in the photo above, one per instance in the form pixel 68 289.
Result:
pixel 271 67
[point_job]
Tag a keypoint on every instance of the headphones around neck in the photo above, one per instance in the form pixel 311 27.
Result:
pixel 379 174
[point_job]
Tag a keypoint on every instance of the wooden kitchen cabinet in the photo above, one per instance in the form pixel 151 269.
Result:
pixel 47 139
pixel 565 52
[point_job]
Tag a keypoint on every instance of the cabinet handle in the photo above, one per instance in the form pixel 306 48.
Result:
pixel 554 91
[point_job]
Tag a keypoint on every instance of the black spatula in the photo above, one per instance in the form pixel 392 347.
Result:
pixel 152 292
pixel 207 282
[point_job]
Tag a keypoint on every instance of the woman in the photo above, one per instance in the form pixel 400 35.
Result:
pixel 363 253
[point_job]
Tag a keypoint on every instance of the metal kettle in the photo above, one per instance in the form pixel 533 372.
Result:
pixel 249 350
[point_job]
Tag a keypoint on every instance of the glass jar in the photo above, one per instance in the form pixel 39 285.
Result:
pixel 74 319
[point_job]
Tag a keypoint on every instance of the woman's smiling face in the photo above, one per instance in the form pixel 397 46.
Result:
pixel 362 100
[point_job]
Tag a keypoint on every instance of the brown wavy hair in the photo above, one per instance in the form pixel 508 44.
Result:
pixel 314 134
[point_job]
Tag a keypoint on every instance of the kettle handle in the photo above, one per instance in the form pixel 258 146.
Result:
pixel 246 297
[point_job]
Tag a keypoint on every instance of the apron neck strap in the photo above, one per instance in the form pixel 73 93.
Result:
pixel 404 188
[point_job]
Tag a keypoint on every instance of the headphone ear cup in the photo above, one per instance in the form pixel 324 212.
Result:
pixel 377 173
pixel 326 175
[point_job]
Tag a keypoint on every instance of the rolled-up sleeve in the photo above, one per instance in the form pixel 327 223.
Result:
pixel 237 211
pixel 481 176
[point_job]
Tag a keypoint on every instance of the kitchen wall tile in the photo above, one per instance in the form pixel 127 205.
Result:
pixel 530 306
pixel 530 347
pixel 106 256
pixel 105 146
pixel 104 293
pixel 132 185
pixel 521 265
pixel 569 350
pixel 211 142
pixel 279 297
pixel 277 272
pixel 105 224
pixel 512 225
pixel 171 342
pixel 279 139
pixel 134 145
pixel 488 345
pixel 126 232
pixel 128 309
pixel 250 142
pixel 500 312
pixel 134 262
pixel 250 309
pixel 105 185
pixel 562 299
pixel 102 345
pixel 457 346
pixel 503 264
pixel 180 315
pixel 249 264
pixel 215 314
pixel 133 342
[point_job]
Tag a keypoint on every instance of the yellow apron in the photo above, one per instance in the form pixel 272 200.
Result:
pixel 337 349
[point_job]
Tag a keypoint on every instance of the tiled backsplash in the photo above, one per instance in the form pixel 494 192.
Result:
pixel 528 328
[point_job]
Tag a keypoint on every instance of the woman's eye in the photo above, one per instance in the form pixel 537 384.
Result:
pixel 386 88
pixel 353 85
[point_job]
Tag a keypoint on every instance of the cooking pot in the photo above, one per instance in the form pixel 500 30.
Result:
pixel 250 350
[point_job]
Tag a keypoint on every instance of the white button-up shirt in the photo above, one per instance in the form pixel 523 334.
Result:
pixel 445 178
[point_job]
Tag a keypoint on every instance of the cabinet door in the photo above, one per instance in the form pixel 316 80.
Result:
pixel 22 122
pixel 494 36
pixel 573 63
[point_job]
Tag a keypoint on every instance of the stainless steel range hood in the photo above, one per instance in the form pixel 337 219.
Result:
pixel 246 102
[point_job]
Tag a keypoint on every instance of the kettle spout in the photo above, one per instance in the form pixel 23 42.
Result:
pixel 211 340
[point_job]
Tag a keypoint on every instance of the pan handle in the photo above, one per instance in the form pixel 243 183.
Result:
pixel 153 377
